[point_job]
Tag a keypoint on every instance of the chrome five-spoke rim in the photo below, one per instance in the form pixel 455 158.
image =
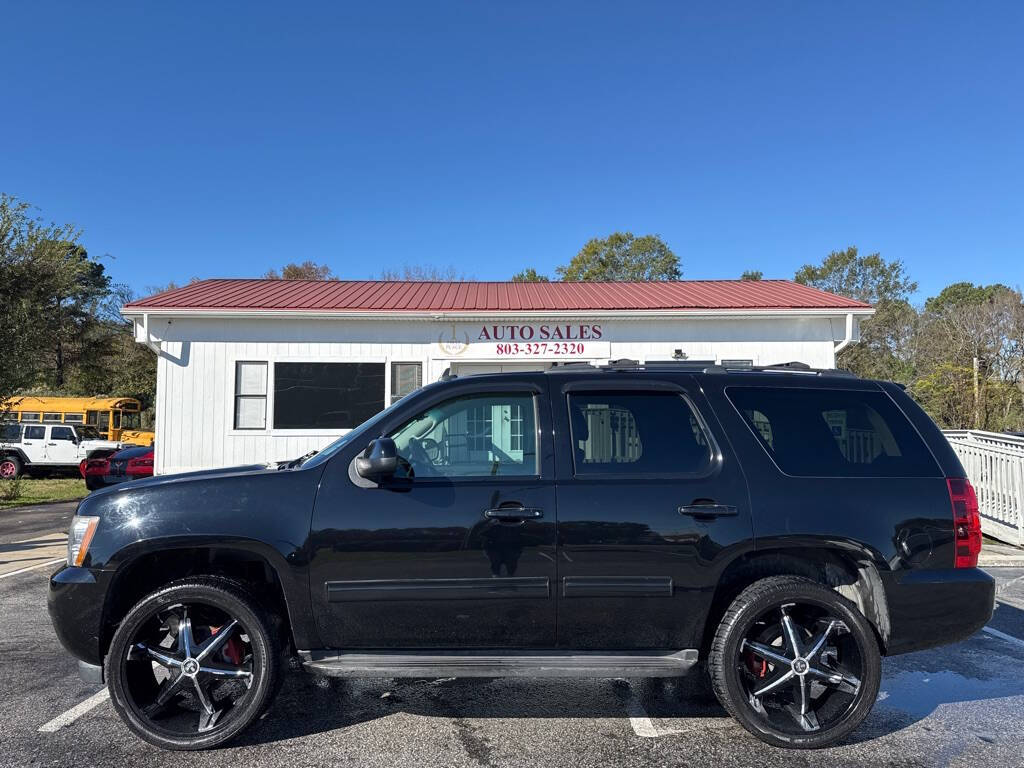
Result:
pixel 801 668
pixel 188 669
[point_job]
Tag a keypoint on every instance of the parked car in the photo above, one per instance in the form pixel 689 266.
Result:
pixel 776 529
pixel 130 463
pixel 27 447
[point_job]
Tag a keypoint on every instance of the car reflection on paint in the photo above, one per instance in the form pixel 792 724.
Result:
pixel 130 463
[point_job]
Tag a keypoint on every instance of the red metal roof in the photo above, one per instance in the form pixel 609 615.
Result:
pixel 326 296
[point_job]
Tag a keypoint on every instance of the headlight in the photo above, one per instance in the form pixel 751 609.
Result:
pixel 79 538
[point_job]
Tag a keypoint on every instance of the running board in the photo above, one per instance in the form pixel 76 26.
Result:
pixel 490 664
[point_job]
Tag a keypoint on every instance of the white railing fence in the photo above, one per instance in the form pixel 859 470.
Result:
pixel 995 467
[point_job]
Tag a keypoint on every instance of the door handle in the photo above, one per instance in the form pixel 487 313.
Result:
pixel 708 510
pixel 51 443
pixel 514 513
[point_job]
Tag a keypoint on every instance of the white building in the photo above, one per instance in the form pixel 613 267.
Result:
pixel 259 370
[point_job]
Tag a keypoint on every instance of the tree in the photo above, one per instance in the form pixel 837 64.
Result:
pixel 529 275
pixel 865 278
pixel 426 273
pixel 623 257
pixel 48 283
pixel 752 275
pixel 307 270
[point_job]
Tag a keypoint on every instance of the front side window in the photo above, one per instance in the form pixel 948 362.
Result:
pixel 471 437
pixel 250 395
pixel 834 433
pixel 636 433
pixel 326 395
pixel 131 420
pixel 62 433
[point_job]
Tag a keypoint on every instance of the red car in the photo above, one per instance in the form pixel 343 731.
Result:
pixel 130 463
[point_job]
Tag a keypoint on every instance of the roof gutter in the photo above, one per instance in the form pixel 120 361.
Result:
pixel 448 316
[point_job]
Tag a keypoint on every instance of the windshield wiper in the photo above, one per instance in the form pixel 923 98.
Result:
pixel 301 460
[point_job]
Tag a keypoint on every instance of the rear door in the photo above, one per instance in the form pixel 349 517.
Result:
pixel 651 505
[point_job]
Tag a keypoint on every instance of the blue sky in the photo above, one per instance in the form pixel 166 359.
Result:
pixel 223 139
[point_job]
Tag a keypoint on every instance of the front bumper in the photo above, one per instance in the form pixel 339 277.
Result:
pixel 931 608
pixel 75 602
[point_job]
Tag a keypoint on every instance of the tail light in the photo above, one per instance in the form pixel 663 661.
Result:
pixel 97 467
pixel 966 522
pixel 139 467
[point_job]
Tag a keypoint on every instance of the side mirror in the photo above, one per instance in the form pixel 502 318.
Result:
pixel 379 461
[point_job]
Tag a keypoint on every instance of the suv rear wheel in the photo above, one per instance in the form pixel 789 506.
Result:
pixel 193 664
pixel 795 663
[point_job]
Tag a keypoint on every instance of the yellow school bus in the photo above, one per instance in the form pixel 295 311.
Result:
pixel 116 418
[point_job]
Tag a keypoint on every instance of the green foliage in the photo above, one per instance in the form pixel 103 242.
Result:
pixel 60 326
pixel 10 488
pixel 752 274
pixel 623 257
pixel 865 278
pixel 529 275
pixel 307 270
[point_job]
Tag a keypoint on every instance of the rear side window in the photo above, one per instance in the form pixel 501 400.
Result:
pixel 636 433
pixel 10 433
pixel 834 433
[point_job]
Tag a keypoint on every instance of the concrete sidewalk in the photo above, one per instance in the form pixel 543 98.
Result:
pixel 997 554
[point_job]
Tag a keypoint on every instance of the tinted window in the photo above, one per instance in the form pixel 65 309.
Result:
pixel 834 433
pixel 10 433
pixel 472 436
pixel 326 395
pixel 636 433
pixel 62 433
pixel 35 433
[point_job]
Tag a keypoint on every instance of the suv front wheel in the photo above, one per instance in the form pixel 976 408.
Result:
pixel 193 664
pixel 795 663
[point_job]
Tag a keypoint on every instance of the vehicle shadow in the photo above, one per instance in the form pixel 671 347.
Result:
pixel 913 687
pixel 308 705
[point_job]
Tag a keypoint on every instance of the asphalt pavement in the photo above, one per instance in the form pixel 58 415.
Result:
pixel 959 705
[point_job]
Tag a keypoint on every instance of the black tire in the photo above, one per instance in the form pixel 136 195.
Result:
pixel 845 673
pixel 132 680
pixel 10 467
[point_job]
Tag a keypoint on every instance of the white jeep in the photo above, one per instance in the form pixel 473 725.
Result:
pixel 28 446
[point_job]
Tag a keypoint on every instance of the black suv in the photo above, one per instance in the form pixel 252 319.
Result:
pixel 779 529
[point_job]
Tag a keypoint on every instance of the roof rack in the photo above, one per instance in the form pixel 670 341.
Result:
pixel 707 366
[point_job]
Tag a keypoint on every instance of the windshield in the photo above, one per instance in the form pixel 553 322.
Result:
pixel 365 431
pixel 88 433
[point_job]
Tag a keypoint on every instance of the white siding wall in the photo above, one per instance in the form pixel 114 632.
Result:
pixel 195 372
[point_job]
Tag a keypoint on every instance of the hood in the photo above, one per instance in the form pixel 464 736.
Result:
pixel 187 477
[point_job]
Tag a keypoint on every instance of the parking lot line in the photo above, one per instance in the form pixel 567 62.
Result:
pixel 75 712
pixel 1003 636
pixel 31 568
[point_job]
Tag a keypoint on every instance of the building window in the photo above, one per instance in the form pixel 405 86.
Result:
pixel 405 379
pixel 250 395
pixel 326 395
pixel 478 428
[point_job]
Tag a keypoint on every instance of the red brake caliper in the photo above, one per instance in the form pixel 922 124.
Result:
pixel 758 667
pixel 232 648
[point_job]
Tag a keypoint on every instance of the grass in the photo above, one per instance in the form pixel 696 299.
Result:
pixel 43 490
